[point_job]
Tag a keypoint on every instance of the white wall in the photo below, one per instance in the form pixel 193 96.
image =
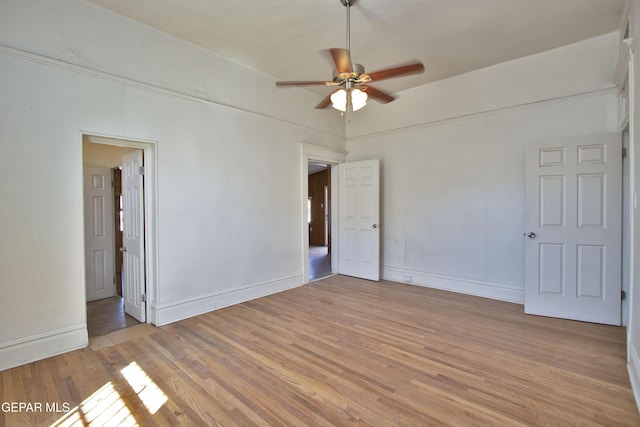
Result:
pixel 228 168
pixel 453 189
pixel 571 70
pixel 84 34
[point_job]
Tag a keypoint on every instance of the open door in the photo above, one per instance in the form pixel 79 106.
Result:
pixel 133 235
pixel 573 235
pixel 117 216
pixel 359 219
pixel 98 233
pixel 318 188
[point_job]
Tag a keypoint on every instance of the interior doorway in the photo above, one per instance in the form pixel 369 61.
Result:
pixel 330 157
pixel 108 284
pixel 319 220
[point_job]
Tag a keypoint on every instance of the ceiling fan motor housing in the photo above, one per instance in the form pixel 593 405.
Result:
pixel 346 3
pixel 357 71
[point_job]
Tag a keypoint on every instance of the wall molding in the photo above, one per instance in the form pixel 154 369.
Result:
pixel 613 90
pixel 40 346
pixel 320 153
pixel 495 291
pixel 168 313
pixel 127 81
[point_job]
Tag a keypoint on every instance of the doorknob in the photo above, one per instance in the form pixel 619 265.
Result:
pixel 530 235
pixel 123 249
pixel 375 225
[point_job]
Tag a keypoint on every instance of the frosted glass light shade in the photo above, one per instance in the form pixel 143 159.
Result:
pixel 358 99
pixel 339 100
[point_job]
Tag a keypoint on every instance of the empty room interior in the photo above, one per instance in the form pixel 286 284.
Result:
pixel 319 212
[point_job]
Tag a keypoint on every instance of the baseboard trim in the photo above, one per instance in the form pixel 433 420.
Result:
pixel 169 313
pixel 455 284
pixel 633 366
pixel 41 346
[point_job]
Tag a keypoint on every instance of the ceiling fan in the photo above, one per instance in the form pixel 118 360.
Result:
pixel 350 79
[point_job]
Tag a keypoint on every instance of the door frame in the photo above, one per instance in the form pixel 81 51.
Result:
pixel 332 157
pixel 627 226
pixel 149 149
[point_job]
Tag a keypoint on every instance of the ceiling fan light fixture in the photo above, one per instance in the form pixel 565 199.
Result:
pixel 358 99
pixel 348 76
pixel 339 100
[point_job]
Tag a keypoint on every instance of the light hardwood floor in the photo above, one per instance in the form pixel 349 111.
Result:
pixel 338 352
pixel 107 315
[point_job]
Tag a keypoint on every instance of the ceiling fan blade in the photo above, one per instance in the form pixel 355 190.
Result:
pixel 377 94
pixel 342 60
pixel 324 103
pixel 404 70
pixel 302 83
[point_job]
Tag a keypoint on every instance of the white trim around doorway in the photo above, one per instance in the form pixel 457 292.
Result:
pixel 150 211
pixel 330 156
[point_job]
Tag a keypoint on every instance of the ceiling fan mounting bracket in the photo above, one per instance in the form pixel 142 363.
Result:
pixel 346 3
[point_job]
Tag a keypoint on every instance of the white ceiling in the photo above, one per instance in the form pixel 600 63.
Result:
pixel 284 38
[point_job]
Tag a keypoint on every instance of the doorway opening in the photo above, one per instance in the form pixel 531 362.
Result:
pixel 329 157
pixel 319 220
pixel 115 243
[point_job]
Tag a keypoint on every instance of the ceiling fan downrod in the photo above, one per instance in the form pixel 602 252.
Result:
pixel 348 4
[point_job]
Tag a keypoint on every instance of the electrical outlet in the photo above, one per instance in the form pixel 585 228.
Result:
pixel 209 306
pixel 407 278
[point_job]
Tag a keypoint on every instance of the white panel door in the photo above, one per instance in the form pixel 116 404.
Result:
pixel 359 217
pixel 573 235
pixel 133 268
pixel 98 233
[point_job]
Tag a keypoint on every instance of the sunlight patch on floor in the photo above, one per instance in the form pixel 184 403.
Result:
pixel 150 394
pixel 105 407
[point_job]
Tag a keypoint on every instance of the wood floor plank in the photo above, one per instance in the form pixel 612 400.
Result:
pixel 343 351
pixel 107 315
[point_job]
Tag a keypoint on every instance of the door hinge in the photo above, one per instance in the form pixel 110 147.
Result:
pixel 141 170
pixel 624 153
pixel 143 297
pixel 623 295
